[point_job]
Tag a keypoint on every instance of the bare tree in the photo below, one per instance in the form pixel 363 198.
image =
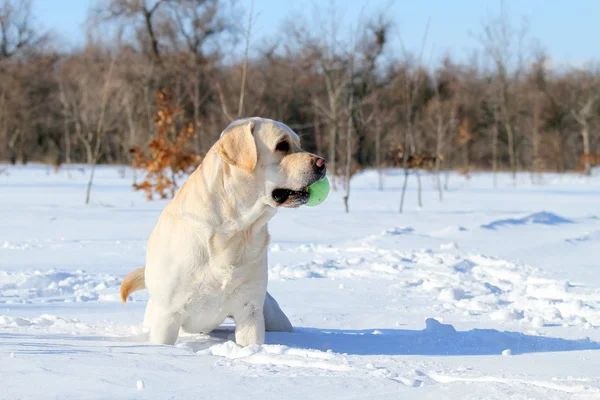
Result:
pixel 372 115
pixel 584 112
pixel 349 130
pixel 245 62
pixel 223 102
pixel 444 121
pixel 143 11
pixel 17 37
pixel 412 86
pixel 504 45
pixel 16 31
pixel 191 25
pixel 323 44
pixel 100 127
pixel 538 78
pixel 84 108
pixel 66 121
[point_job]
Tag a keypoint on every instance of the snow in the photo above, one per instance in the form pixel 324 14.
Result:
pixel 494 293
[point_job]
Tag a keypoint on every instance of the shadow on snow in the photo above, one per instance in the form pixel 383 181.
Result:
pixel 435 340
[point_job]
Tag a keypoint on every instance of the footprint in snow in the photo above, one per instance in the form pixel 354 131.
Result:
pixel 401 230
pixel 541 218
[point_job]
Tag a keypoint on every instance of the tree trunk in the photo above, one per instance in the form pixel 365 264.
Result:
pixel 536 140
pixel 100 130
pixel 317 127
pixel 151 34
pixel 333 120
pixel 465 151
pixel 419 191
pixel 148 108
pixel 88 153
pixel 332 145
pixel 404 185
pixel 348 167
pixel 495 150
pixel 245 62
pixel 89 185
pixel 438 148
pixel 505 111
pixel 585 132
pixel 24 154
pixel 558 151
pixel 405 166
pixel 67 144
pixel 132 137
pixel 12 144
pixel 66 113
pixel 378 155
pixel 93 163
pixel 197 137
pixel 582 117
pixel 438 180
pixel 511 149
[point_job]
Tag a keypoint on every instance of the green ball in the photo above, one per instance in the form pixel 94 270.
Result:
pixel 318 192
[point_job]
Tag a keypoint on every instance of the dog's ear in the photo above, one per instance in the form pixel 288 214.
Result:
pixel 237 147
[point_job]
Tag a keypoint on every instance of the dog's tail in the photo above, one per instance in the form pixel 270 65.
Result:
pixel 132 282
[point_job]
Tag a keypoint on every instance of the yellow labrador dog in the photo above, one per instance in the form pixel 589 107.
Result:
pixel 207 256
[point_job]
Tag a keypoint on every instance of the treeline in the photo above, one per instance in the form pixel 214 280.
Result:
pixel 352 102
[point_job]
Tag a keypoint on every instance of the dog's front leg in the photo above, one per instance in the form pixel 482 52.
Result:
pixel 164 327
pixel 249 324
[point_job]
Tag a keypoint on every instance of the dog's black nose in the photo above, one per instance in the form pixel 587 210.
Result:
pixel 320 164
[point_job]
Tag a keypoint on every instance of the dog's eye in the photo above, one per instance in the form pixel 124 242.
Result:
pixel 283 146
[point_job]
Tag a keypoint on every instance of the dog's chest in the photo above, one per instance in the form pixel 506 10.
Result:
pixel 232 261
pixel 233 255
pixel 232 267
pixel 224 285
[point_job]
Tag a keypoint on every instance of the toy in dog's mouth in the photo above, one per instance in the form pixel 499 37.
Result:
pixel 312 195
pixel 291 198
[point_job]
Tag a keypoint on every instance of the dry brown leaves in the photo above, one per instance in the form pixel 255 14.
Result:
pixel 168 155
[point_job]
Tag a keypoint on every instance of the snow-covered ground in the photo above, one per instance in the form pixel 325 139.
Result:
pixel 494 293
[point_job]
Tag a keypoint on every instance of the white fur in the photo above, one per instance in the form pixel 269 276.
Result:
pixel 207 256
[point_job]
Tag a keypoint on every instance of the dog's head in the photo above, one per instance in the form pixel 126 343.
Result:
pixel 268 155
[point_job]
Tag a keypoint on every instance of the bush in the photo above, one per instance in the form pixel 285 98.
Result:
pixel 168 156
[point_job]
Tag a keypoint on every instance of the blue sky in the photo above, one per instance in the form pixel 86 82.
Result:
pixel 568 30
